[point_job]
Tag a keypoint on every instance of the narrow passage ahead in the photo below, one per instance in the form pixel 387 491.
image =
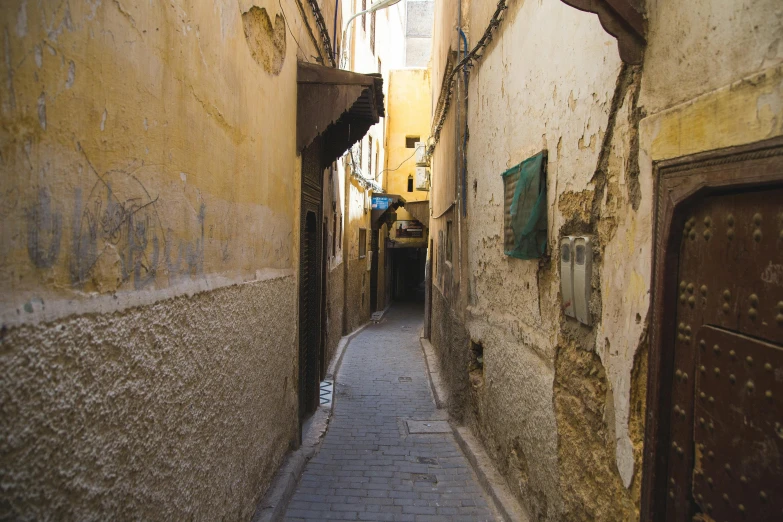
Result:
pixel 374 464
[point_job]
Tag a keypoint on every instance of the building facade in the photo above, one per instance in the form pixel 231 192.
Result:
pixel 153 177
pixel 407 239
pixel 640 114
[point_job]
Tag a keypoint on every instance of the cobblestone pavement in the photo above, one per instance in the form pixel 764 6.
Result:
pixel 369 466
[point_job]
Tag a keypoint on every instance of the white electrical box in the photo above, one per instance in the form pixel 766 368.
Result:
pixel 567 275
pixel 421 149
pixel 576 271
pixel 583 271
pixel 422 178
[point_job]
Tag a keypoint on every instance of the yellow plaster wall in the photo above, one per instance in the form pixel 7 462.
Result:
pixel 409 115
pixel 137 154
pixel 149 190
pixel 745 111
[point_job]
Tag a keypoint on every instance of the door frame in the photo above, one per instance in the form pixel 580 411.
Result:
pixel 677 182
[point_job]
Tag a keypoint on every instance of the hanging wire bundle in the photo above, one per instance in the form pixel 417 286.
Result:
pixel 321 24
pixel 444 100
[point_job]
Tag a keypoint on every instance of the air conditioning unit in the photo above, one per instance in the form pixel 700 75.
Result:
pixel 422 178
pixel 421 150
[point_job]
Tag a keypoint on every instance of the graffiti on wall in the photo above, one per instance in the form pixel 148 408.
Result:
pixel 116 238
pixel 44 230
pixel 117 220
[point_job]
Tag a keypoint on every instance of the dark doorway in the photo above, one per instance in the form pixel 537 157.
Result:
pixel 374 270
pixel 309 331
pixel 408 266
pixel 310 280
pixel 324 309
pixel 713 446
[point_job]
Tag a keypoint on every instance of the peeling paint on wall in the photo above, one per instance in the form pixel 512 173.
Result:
pixel 266 42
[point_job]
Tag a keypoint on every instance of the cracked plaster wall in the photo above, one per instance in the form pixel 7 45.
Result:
pixel 357 286
pixel 561 406
pixel 149 201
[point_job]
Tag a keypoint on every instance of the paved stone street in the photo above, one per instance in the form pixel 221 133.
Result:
pixel 370 466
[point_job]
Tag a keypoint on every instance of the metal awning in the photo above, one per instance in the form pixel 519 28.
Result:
pixel 419 210
pixel 337 106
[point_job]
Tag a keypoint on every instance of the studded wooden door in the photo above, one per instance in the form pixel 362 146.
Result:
pixel 725 458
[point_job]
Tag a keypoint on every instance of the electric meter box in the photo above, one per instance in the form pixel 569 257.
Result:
pixel 567 275
pixel 422 178
pixel 576 271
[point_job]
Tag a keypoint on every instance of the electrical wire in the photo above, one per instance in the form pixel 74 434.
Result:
pixel 398 166
pixel 292 33
pixel 321 24
pixel 444 100
pixel 319 58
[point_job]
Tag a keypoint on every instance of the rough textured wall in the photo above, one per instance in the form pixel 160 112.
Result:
pixel 564 100
pixel 716 44
pixel 357 282
pixel 151 412
pixel 555 398
pixel 334 310
pixel 542 401
pixel 383 296
pixel 137 168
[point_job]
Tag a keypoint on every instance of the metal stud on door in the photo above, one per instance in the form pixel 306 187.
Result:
pixel 725 424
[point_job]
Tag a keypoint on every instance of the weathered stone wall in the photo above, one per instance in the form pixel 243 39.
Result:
pixel 560 406
pixel 335 308
pixel 177 410
pixel 357 282
pixel 358 288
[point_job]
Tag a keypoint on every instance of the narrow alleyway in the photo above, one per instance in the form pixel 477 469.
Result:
pixel 371 466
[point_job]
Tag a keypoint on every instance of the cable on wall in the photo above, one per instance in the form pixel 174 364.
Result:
pixel 321 24
pixel 447 89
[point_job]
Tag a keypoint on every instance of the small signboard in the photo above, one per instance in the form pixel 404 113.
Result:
pixel 409 229
pixel 381 202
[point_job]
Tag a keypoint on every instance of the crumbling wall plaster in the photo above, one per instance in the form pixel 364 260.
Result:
pixel 357 285
pixel 524 97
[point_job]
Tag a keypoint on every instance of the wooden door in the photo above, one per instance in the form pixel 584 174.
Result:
pixel 726 423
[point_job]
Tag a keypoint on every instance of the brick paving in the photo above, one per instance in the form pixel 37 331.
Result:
pixel 369 466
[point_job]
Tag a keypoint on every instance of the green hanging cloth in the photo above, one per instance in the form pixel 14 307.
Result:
pixel 525 200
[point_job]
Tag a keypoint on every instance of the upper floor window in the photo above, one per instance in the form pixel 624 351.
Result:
pixel 410 141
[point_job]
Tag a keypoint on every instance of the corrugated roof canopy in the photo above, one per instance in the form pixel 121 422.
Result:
pixel 339 106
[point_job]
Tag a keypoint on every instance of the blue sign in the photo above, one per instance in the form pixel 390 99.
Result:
pixel 381 202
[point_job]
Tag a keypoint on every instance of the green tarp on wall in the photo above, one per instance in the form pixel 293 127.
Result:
pixel 525 199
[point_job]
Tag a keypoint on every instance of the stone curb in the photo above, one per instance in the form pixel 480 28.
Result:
pixel 433 370
pixel 273 505
pixel 490 479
